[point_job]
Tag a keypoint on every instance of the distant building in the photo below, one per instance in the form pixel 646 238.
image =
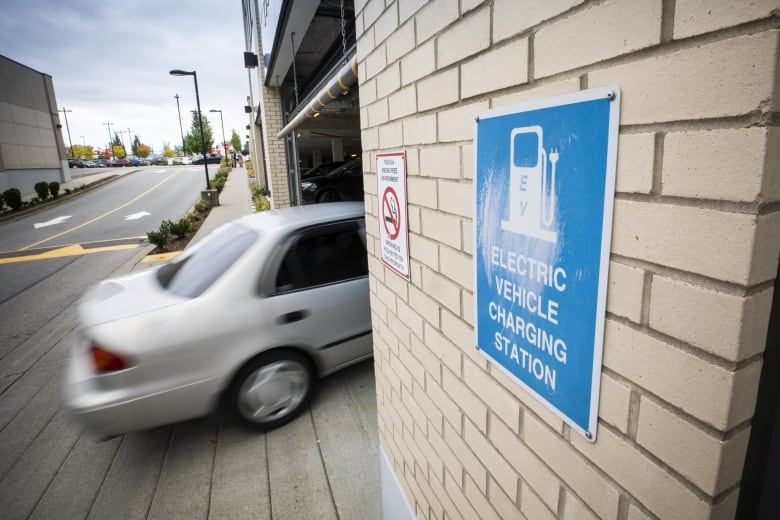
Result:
pixel 31 144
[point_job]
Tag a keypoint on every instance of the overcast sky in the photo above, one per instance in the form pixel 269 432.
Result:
pixel 109 61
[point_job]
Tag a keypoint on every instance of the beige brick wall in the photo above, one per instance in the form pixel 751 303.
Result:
pixel 274 149
pixel 696 238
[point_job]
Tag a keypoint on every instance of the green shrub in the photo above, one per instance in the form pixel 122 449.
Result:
pixel 218 182
pixel 2 203
pixel 201 207
pixel 42 189
pixel 13 197
pixel 262 203
pixel 160 237
pixel 180 227
pixel 260 197
pixel 54 189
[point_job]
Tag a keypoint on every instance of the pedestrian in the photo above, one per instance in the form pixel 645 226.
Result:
pixel 233 157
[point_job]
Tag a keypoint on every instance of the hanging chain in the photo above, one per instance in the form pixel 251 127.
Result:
pixel 343 33
pixel 295 74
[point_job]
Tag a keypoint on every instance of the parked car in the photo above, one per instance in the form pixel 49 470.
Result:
pixel 102 163
pixel 249 317
pixel 90 164
pixel 159 161
pixel 76 163
pixel 211 158
pixel 120 162
pixel 183 160
pixel 322 169
pixel 343 183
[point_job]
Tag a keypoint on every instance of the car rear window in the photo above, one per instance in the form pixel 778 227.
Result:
pixel 200 266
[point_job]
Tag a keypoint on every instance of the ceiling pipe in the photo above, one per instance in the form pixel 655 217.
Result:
pixel 338 85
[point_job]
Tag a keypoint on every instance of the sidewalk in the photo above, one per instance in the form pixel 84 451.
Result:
pixel 234 202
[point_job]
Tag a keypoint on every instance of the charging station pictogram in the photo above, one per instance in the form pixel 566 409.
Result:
pixel 544 191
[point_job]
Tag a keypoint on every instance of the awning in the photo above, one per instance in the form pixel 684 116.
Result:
pixel 336 87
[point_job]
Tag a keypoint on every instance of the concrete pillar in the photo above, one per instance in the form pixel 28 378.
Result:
pixel 337 147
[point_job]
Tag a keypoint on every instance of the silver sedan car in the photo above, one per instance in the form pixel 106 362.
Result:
pixel 248 317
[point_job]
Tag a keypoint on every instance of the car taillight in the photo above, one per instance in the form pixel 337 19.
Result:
pixel 104 360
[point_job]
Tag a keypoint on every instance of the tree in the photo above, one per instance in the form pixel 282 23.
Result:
pixel 167 152
pixel 135 145
pixel 83 152
pixel 118 148
pixel 235 141
pixel 143 150
pixel 192 139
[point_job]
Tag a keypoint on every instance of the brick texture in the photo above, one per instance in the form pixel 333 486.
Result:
pixel 600 32
pixel 692 266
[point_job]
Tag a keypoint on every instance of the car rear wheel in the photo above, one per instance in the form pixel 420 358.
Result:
pixel 273 389
pixel 328 196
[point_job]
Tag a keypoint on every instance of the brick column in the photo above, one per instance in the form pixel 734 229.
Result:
pixel 273 147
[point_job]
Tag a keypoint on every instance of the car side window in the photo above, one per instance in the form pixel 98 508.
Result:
pixel 324 255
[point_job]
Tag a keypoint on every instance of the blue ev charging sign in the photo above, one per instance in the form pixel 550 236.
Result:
pixel 544 193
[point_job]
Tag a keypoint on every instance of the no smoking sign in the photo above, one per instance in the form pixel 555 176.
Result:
pixel 393 228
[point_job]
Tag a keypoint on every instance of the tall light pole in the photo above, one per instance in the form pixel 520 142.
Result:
pixel 224 147
pixel 65 113
pixel 181 129
pixel 177 72
pixel 110 142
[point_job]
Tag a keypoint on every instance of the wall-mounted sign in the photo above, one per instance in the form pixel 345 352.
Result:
pixel 544 193
pixel 393 215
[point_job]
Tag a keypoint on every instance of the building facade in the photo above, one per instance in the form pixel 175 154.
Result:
pixel 31 144
pixel 687 402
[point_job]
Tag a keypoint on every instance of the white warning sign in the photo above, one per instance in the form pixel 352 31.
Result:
pixel 393 216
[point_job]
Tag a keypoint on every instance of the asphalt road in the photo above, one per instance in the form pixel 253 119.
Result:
pixel 48 258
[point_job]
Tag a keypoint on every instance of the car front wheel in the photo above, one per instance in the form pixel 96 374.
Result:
pixel 273 389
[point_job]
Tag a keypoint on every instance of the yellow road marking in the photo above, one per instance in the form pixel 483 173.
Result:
pixel 71 250
pixel 101 216
pixel 161 257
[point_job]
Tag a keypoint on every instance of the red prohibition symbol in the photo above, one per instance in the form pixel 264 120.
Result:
pixel 391 216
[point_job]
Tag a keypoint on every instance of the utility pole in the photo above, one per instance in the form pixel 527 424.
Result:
pixel 110 141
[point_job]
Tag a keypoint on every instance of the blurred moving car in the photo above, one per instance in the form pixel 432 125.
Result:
pixel 248 317
pixel 120 162
pixel 343 183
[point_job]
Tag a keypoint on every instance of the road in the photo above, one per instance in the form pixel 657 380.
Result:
pixel 323 465
pixel 54 255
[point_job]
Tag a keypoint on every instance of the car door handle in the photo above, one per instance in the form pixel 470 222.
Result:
pixel 293 316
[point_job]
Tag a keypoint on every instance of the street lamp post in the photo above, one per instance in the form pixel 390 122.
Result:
pixel 181 128
pixel 65 113
pixel 110 142
pixel 177 72
pixel 224 143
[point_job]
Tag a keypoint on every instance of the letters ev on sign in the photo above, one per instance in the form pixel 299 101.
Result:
pixel 393 220
pixel 544 193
